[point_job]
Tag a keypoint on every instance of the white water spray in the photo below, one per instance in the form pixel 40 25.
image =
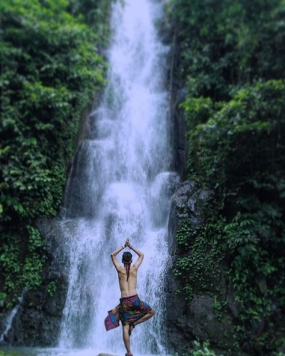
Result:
pixel 119 187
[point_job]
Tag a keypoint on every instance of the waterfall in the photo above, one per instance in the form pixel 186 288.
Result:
pixel 120 187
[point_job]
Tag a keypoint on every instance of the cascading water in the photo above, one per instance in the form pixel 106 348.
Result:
pixel 119 187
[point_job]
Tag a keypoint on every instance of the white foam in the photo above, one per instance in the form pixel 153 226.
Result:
pixel 129 153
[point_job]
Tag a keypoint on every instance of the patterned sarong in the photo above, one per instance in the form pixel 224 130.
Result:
pixel 132 309
pixel 113 318
pixel 128 311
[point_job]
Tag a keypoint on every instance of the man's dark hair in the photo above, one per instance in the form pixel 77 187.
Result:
pixel 127 258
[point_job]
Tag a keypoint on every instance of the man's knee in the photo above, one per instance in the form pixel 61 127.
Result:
pixel 151 312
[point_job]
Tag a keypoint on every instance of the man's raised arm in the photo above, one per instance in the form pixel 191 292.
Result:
pixel 114 254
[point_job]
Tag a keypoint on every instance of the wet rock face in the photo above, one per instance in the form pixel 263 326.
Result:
pixel 187 321
pixel 186 203
pixel 38 320
pixel 178 129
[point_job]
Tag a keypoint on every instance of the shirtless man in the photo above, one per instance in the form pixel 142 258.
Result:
pixel 133 311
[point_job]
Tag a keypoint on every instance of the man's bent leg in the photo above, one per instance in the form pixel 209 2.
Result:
pixel 126 338
pixel 149 315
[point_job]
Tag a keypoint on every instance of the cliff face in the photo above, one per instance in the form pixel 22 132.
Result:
pixel 38 318
pixel 194 315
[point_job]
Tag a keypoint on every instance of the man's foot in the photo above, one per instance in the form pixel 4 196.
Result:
pixel 128 354
pixel 131 328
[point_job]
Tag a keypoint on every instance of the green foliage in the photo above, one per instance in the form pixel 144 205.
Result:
pixel 51 288
pixel 7 352
pixel 239 154
pixel 22 262
pixel 95 14
pixel 2 299
pixel 220 147
pixel 200 349
pixel 50 71
pixel 219 308
pixel 229 56
pixel 225 44
pixel 198 267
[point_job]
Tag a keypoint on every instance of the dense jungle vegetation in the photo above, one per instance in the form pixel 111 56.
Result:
pixel 50 72
pixel 230 60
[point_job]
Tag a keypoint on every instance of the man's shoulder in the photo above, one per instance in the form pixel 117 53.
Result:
pixel 121 269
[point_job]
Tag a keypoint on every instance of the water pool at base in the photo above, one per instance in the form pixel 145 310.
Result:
pixel 34 351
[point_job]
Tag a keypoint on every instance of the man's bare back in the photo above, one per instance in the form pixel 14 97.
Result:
pixel 129 287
